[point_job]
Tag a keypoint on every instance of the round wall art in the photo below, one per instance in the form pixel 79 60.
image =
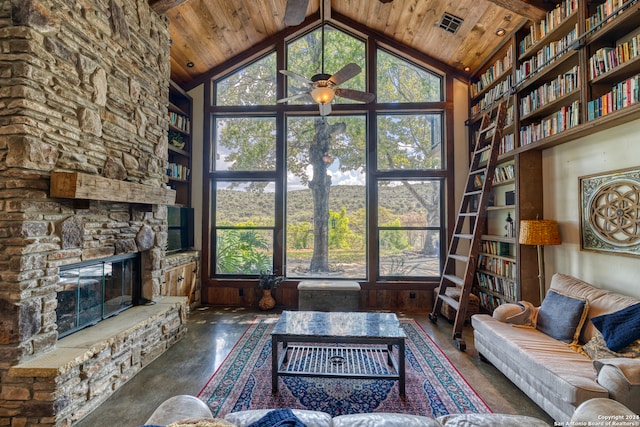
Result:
pixel 610 212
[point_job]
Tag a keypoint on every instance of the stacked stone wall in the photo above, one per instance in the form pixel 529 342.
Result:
pixel 83 87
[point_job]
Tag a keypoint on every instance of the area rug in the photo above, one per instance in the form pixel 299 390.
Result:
pixel 434 387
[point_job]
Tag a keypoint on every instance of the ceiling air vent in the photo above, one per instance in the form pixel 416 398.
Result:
pixel 450 23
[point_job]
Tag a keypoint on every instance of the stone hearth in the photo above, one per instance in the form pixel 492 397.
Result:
pixel 83 91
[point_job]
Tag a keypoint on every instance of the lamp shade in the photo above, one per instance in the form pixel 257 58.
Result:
pixel 322 94
pixel 539 232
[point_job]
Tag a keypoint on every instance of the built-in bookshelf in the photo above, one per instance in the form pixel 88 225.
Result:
pixel 575 72
pixel 179 138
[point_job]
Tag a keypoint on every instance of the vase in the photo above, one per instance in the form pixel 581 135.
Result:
pixel 266 302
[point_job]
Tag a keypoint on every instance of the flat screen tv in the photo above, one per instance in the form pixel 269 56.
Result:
pixel 180 222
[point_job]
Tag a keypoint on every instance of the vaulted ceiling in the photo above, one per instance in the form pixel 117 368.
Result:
pixel 207 33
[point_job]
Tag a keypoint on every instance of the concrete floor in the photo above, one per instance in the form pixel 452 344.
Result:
pixel 212 333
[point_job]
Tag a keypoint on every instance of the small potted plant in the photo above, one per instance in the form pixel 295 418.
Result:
pixel 268 281
pixel 176 139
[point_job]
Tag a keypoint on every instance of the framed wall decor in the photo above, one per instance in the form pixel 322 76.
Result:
pixel 610 212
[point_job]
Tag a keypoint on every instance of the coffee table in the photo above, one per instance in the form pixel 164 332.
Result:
pixel 338 345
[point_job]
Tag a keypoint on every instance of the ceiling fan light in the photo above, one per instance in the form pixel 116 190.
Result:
pixel 322 94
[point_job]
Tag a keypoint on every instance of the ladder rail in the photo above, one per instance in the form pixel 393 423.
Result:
pixel 472 214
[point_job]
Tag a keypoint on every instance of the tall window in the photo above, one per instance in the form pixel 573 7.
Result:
pixel 357 194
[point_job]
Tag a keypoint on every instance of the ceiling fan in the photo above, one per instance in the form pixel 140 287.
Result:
pixel 323 87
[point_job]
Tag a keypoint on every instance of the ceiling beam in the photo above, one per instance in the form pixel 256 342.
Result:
pixel 533 9
pixel 163 6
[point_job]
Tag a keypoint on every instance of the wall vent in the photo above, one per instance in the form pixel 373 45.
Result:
pixel 450 23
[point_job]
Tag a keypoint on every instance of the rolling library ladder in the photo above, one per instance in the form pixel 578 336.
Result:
pixel 465 242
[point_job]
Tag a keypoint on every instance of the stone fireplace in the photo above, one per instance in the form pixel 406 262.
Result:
pixel 83 96
pixel 93 291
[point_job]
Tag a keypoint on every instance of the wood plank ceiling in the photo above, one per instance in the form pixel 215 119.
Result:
pixel 207 33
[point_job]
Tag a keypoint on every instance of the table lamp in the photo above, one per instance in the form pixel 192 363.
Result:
pixel 539 232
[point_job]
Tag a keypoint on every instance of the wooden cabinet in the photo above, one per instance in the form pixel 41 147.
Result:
pixel 179 166
pixel 181 280
pixel 574 73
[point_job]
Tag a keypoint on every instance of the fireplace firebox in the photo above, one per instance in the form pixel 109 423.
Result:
pixel 95 290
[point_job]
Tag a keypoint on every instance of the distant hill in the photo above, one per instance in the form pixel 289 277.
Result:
pixel 239 206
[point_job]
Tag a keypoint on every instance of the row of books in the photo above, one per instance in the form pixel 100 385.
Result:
pixel 560 86
pixel 546 55
pixel 622 95
pixel 490 302
pixel 552 20
pixel 504 173
pixel 179 121
pixel 495 248
pixel 493 72
pixel 178 171
pixel 499 266
pixel 507 143
pixel 607 58
pixel 499 285
pixel 567 117
pixel 492 95
pixel 604 11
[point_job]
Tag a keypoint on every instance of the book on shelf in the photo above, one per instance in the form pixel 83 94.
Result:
pixel 492 73
pixel 495 248
pixel 178 171
pixel 567 117
pixel 604 11
pixel 499 266
pixel 546 55
pixel 623 94
pixel 562 85
pixel 179 121
pixel 489 302
pixel 606 59
pixel 492 96
pixel 504 173
pixel 507 143
pixel 552 19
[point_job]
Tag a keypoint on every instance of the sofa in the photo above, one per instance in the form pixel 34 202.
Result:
pixel 556 354
pixel 184 410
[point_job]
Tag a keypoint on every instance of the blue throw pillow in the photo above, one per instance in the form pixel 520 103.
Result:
pixel 562 316
pixel 621 328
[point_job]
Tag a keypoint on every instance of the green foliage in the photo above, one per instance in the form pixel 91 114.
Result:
pixel 268 280
pixel 242 251
pixel 339 231
pixel 299 236
pixel 394 240
pixel 401 81
pixel 254 84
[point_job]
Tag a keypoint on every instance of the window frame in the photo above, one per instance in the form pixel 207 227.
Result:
pixel 445 174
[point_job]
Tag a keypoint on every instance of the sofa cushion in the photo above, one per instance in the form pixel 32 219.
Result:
pixel 562 316
pixel 600 301
pixel 376 419
pixel 597 348
pixel 490 420
pixel 310 418
pixel 620 328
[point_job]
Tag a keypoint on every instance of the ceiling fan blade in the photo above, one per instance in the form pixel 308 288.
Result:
pixel 345 73
pixel 296 76
pixel 356 95
pixel 325 109
pixel 295 12
pixel 291 98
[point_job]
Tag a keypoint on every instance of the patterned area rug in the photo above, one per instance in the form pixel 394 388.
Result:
pixel 434 387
